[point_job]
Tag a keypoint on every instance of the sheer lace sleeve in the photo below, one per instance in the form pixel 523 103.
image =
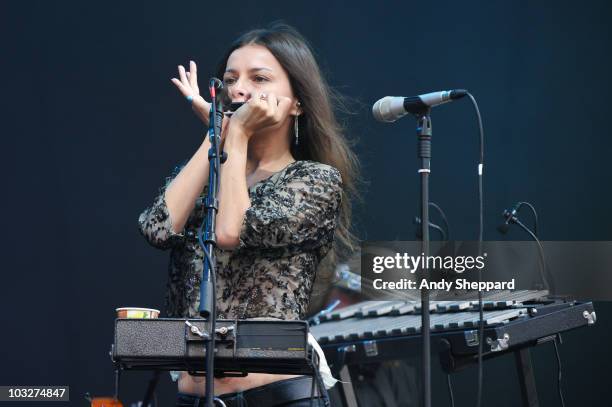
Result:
pixel 155 223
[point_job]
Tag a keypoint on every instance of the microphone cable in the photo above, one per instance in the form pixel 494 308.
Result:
pixel 480 243
pixel 535 215
pixel 444 232
pixel 444 218
pixel 559 371
pixel 544 270
pixel 450 390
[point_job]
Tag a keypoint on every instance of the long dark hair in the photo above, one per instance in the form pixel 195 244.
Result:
pixel 321 136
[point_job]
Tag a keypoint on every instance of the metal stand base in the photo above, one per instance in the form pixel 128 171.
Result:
pixel 526 376
pixel 151 389
pixel 347 393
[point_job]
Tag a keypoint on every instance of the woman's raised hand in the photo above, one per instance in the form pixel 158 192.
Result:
pixel 187 84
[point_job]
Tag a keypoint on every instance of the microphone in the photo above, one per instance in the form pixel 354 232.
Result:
pixel 510 217
pixel 391 108
pixel 215 83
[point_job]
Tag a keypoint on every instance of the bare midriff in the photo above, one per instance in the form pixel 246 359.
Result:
pixel 196 384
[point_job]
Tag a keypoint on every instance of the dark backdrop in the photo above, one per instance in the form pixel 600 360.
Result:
pixel 91 125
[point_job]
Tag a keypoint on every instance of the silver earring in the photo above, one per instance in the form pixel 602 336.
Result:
pixel 296 130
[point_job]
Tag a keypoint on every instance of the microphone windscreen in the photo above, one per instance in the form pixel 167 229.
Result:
pixel 503 228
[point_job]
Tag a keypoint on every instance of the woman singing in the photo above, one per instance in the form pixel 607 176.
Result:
pixel 283 200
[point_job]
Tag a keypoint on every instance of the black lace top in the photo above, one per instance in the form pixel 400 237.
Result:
pixel 285 233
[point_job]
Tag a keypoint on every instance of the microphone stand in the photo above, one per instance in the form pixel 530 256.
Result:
pixel 208 240
pixel 424 154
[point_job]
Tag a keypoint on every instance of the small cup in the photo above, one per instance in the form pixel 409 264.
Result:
pixel 137 313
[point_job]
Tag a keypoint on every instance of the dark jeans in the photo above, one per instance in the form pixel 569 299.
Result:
pixel 294 392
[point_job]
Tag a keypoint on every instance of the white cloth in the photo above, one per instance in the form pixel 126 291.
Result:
pixel 328 380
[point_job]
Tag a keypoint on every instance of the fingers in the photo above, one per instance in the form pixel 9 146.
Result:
pixel 183 76
pixel 258 113
pixel 182 88
pixel 272 102
pixel 183 84
pixel 275 107
pixel 284 105
pixel 265 101
pixel 187 83
pixel 193 76
pixel 257 101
